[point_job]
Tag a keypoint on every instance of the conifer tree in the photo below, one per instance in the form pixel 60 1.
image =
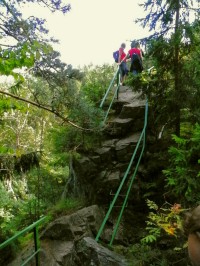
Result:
pixel 170 45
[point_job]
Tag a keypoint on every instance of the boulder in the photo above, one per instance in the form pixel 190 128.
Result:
pixel 88 252
pixel 85 222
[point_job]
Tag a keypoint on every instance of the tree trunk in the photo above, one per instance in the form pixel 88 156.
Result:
pixel 176 70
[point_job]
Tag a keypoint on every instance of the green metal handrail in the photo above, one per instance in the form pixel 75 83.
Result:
pixel 33 227
pixel 115 95
pixel 142 137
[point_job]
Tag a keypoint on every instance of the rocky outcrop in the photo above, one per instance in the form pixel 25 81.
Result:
pixel 88 252
pixel 85 222
pixel 99 173
pixel 69 241
pixel 82 252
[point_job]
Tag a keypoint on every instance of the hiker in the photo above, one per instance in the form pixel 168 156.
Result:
pixel 135 54
pixel 122 63
pixel 192 230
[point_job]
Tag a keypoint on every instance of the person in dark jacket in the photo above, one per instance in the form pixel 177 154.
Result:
pixel 135 54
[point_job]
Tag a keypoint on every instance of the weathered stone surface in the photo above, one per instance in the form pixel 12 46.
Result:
pixel 84 222
pixel 126 96
pixel 125 147
pixel 89 252
pixel 110 143
pixel 128 141
pixel 133 110
pixel 120 237
pixel 118 127
pixel 110 161
pixel 85 167
pixel 74 250
pixel 95 175
pixel 111 181
pixel 96 159
pixel 105 154
pixel 114 177
pixel 83 252
pixel 56 253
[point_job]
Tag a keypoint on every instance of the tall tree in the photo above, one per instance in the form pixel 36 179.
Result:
pixel 170 19
pixel 24 43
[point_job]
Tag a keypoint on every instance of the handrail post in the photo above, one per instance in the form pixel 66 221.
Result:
pixel 118 82
pixel 37 245
pixel 108 90
pixel 33 227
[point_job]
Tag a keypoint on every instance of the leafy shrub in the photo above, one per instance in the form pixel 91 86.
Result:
pixel 182 176
pixel 165 219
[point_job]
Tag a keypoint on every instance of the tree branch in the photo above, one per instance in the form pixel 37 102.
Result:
pixel 44 108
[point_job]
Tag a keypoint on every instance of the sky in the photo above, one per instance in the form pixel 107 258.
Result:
pixel 93 29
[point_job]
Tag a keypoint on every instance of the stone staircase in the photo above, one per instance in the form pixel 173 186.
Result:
pixel 129 114
pixel 99 173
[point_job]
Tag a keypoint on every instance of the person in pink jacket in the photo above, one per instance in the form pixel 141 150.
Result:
pixel 122 63
pixel 135 56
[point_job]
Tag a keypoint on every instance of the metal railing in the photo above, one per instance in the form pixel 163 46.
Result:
pixel 116 77
pixel 142 138
pixel 33 227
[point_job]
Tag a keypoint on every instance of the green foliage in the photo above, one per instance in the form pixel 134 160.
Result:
pixel 140 255
pixel 7 104
pixel 25 213
pixel 53 86
pixel 145 255
pixel 24 55
pixel 31 49
pixel 20 124
pixel 96 82
pixel 162 220
pixel 46 185
pixel 27 36
pixel 86 114
pixel 64 207
pixel 172 49
pixel 39 190
pixel 69 140
pixel 184 170
pixel 15 214
pixel 6 213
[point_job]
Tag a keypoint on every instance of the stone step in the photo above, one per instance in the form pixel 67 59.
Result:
pixel 122 125
pixel 133 110
pixel 125 96
pixel 118 127
pixel 124 148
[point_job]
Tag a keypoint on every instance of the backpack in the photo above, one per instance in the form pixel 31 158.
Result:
pixel 116 56
pixel 136 63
